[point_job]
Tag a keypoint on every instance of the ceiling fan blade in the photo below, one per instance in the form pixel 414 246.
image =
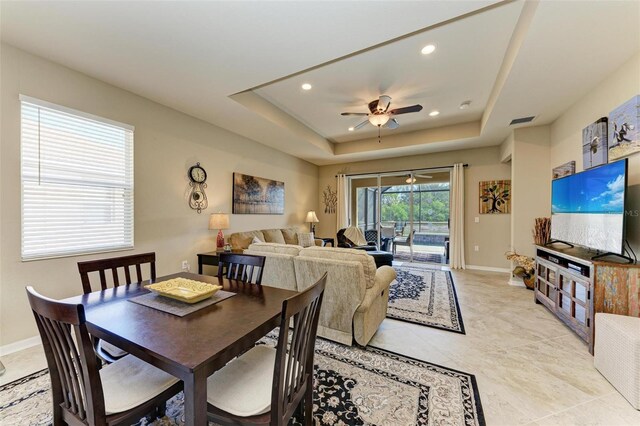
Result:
pixel 424 176
pixel 406 110
pixel 383 103
pixel 373 106
pixel 392 124
pixel 360 125
pixel 354 113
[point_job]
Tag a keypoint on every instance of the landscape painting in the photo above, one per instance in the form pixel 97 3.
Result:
pixel 255 195
pixel 624 135
pixel 495 196
pixel 564 170
pixel 594 144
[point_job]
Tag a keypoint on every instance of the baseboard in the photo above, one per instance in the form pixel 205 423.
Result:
pixel 488 268
pixel 19 345
pixel 516 282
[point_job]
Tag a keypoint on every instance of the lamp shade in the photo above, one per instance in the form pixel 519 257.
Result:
pixel 311 217
pixel 378 119
pixel 219 221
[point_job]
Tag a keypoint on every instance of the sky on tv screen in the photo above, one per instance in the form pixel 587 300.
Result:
pixel 599 190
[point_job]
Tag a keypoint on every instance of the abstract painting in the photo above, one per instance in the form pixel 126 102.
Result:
pixel 495 196
pixel 594 144
pixel 254 195
pixel 624 135
pixel 564 170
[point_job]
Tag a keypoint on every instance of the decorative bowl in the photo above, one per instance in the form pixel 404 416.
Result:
pixel 184 290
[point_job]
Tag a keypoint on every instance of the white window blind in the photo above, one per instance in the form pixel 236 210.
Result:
pixel 77 182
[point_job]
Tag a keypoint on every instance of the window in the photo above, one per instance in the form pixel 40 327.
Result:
pixel 77 182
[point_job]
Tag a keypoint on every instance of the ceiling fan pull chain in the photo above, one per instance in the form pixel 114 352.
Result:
pixel 379 135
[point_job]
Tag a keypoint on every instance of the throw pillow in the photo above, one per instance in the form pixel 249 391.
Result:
pixel 256 240
pixel 306 239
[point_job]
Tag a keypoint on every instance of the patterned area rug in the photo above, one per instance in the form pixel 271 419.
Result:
pixel 419 257
pixel 425 295
pixel 353 386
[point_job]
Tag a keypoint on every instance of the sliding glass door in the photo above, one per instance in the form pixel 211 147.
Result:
pixel 406 213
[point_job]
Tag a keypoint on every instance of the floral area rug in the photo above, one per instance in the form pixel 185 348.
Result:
pixel 425 295
pixel 353 386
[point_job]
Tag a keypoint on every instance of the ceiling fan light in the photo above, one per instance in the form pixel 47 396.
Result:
pixel 410 180
pixel 378 119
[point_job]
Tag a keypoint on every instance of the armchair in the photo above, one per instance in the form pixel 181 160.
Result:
pixel 345 242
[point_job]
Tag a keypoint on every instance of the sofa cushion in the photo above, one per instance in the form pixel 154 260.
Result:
pixel 290 235
pixel 273 236
pixel 306 239
pixel 290 249
pixel 368 264
pixel 242 240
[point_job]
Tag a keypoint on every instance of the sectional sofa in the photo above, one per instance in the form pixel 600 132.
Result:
pixel 356 295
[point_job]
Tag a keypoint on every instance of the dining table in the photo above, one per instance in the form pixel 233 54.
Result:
pixel 190 347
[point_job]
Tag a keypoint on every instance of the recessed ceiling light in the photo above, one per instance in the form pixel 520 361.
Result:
pixel 434 113
pixel 428 49
pixel 306 86
pixel 465 105
pixel 351 129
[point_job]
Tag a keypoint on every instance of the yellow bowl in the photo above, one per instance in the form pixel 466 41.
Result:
pixel 184 290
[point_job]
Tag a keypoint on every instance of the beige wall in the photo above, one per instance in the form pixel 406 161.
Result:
pixel 531 184
pixel 566 132
pixel 166 144
pixel 491 234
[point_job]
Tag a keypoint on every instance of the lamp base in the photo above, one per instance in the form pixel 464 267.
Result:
pixel 220 240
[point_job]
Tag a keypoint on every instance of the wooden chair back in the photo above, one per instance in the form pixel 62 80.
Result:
pixel 113 264
pixel 247 268
pixel 75 380
pixel 293 374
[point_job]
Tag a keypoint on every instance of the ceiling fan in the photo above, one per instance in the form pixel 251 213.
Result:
pixel 381 116
pixel 409 180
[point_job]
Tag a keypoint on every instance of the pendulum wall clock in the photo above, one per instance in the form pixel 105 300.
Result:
pixel 197 181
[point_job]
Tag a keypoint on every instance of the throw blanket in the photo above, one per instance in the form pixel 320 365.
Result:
pixel 355 235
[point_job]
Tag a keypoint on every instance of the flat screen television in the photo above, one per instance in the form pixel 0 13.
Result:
pixel 588 208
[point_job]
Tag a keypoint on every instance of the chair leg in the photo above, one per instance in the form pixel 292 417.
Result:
pixel 308 403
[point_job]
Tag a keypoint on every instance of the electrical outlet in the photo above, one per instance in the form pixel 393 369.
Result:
pixel 185 266
pixel 476 248
pixel 477 219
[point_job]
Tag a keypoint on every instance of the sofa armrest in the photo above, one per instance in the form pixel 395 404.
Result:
pixel 384 277
pixel 319 242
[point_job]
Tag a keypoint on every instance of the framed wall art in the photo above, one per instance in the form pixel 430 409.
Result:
pixel 624 132
pixel 255 195
pixel 564 170
pixel 594 144
pixel 495 196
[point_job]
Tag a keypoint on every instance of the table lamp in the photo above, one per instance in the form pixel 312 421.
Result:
pixel 219 221
pixel 311 219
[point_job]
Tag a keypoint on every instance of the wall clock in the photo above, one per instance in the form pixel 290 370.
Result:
pixel 197 181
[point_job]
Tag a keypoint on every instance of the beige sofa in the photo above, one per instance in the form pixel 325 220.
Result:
pixel 356 295
pixel 242 240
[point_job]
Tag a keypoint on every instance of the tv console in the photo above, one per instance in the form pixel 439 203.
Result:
pixel 575 287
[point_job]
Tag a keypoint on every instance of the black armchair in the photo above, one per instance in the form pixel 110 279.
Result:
pixel 344 242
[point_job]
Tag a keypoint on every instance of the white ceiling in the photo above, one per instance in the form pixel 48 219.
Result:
pixel 463 67
pixel 193 56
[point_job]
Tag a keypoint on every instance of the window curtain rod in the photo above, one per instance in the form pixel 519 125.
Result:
pixel 402 171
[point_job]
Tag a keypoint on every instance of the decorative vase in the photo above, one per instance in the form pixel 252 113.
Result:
pixel 529 281
pixel 220 240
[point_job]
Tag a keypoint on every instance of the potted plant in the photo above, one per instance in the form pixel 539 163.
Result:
pixel 525 268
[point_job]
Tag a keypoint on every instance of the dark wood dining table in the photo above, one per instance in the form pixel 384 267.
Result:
pixel 191 347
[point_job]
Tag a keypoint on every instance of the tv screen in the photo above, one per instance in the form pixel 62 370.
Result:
pixel 587 208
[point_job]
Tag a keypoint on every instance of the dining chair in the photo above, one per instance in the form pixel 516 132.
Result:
pixel 119 393
pixel 106 350
pixel 247 268
pixel 401 241
pixel 124 262
pixel 267 386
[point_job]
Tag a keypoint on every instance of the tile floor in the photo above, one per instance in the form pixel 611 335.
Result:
pixel 531 369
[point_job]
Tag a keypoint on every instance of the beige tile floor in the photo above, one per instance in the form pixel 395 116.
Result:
pixel 531 369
